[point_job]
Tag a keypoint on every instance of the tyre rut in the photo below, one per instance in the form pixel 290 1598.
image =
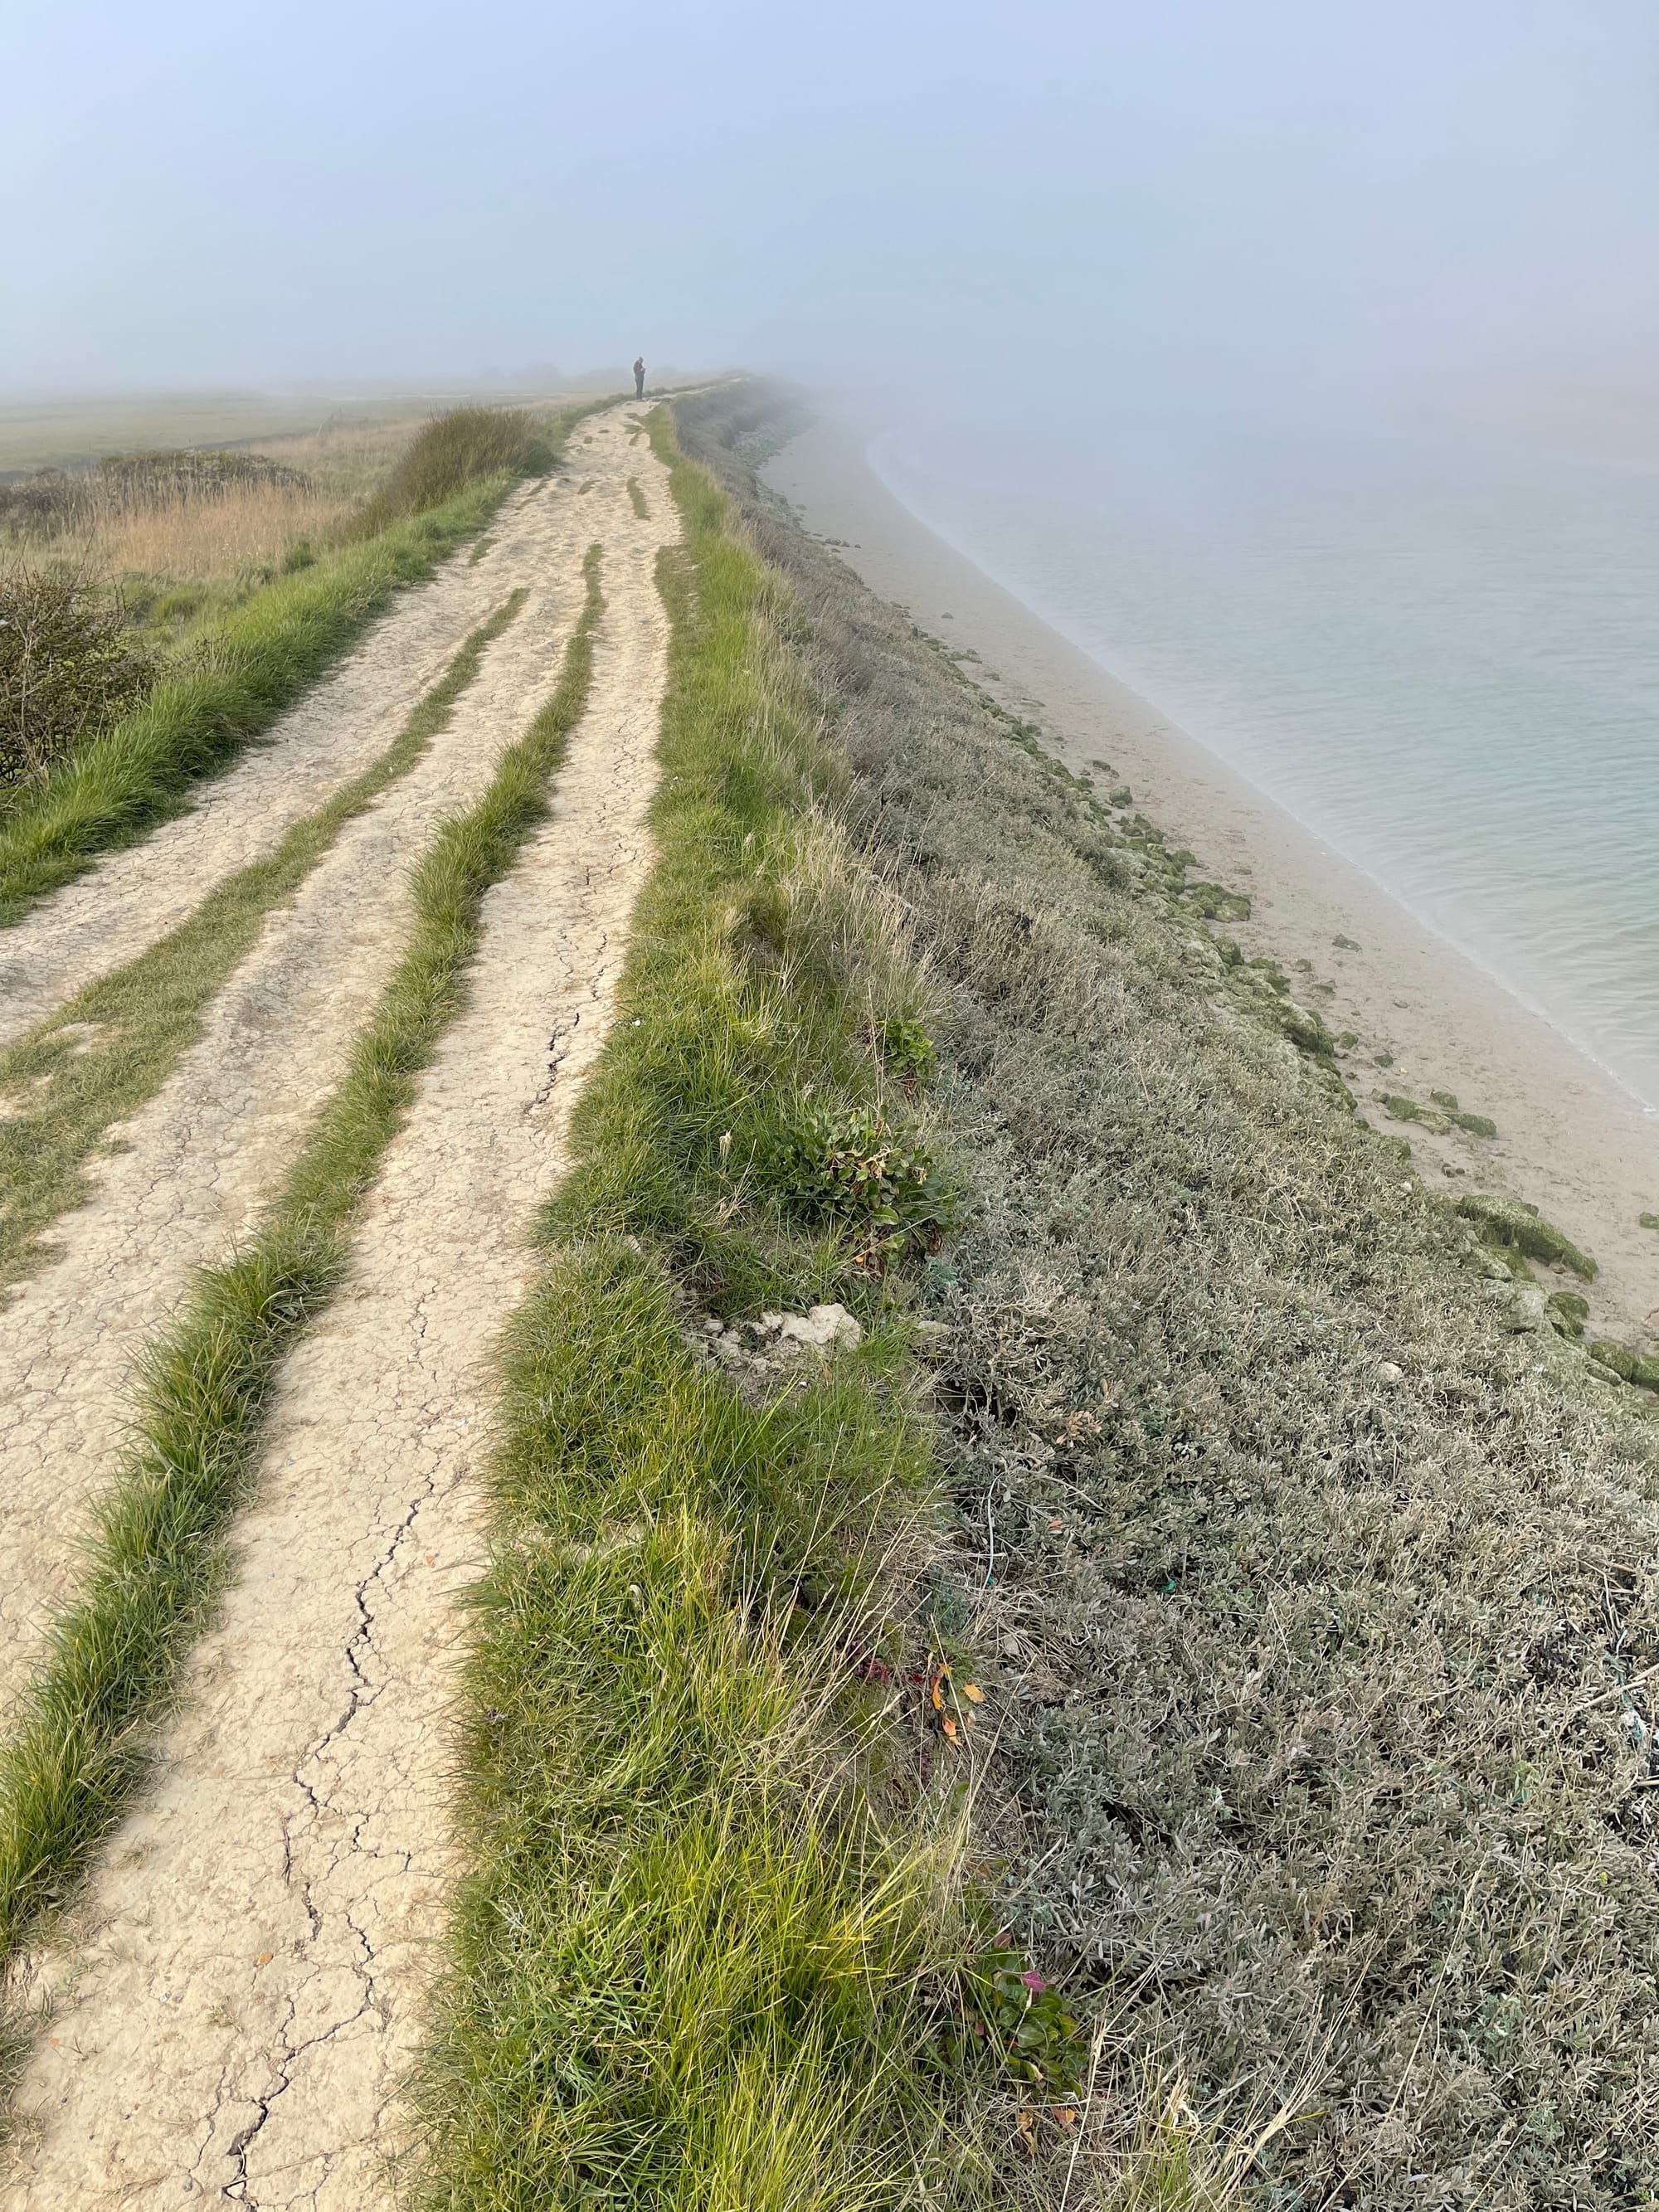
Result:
pixel 200 1159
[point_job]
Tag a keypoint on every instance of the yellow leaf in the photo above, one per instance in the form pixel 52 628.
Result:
pixel 972 1690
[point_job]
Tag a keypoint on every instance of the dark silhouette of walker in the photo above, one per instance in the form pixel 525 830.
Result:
pixel 639 377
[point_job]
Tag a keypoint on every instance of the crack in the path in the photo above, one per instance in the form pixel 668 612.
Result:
pixel 362 1692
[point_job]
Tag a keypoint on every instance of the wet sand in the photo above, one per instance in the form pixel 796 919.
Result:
pixel 1570 1141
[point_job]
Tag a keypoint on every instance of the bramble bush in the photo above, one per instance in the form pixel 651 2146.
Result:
pixel 69 659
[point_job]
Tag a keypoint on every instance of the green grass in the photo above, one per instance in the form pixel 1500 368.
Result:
pixel 80 1740
pixel 93 1062
pixel 714 1928
pixel 245 667
pixel 637 495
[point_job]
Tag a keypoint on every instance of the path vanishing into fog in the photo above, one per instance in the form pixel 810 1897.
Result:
pixel 242 1985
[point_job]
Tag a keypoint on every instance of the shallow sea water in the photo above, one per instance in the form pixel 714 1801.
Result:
pixel 1444 659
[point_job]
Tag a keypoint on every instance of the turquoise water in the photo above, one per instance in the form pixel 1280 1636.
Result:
pixel 1445 660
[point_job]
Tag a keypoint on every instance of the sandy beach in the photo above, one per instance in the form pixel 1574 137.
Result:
pixel 1570 1141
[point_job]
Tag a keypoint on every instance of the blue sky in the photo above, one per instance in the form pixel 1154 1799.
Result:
pixel 1281 196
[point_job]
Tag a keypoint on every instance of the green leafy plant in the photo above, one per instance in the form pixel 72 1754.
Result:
pixel 1013 2011
pixel 881 1184
pixel 451 452
pixel 906 1050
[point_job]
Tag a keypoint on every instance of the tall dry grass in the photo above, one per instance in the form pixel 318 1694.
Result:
pixel 345 461
pixel 250 532
pixel 217 523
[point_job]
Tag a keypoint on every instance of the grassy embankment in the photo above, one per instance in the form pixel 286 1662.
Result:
pixel 1314 1591
pixel 714 1945
pixel 239 671
pixel 80 1739
pixel 97 1059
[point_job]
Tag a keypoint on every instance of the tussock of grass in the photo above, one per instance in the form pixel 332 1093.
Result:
pixel 97 1059
pixel 635 493
pixel 709 1941
pixel 1320 1611
pixel 451 452
pixel 80 1739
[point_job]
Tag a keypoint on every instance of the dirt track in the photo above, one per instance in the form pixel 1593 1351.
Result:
pixel 247 1979
pixel 214 1142
pixel 132 898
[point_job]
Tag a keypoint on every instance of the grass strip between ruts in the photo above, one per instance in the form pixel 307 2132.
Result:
pixel 160 1556
pixel 251 663
pixel 709 1943
pixel 74 1086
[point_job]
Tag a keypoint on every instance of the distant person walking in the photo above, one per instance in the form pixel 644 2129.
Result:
pixel 639 377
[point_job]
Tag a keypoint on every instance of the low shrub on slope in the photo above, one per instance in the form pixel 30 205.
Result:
pixel 1320 1612
pixel 68 660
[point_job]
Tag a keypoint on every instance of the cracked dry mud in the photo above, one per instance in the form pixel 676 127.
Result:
pixel 251 1957
pixel 216 1140
pixel 130 899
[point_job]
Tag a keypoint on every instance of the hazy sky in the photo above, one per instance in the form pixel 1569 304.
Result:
pixel 1294 197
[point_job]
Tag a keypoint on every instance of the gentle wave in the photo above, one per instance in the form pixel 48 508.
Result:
pixel 1444 662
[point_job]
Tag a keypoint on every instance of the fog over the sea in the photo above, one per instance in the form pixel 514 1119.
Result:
pixel 1301 201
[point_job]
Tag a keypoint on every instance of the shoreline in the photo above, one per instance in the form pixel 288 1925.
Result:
pixel 1533 1008
pixel 1571 1140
